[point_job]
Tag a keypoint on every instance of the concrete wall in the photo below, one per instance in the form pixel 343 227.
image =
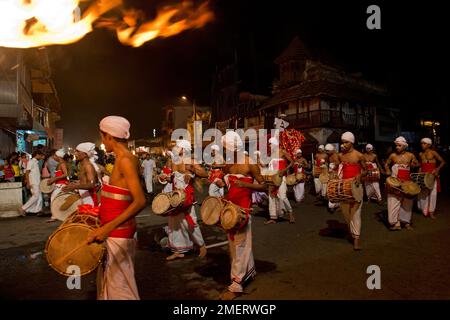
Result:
pixel 10 199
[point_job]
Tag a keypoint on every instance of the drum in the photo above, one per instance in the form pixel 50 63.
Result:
pixel 233 217
pixel 410 188
pixel 424 180
pixel 162 178
pixel 372 175
pixel 65 204
pixel 45 188
pixel 211 209
pixel 324 177
pixel 177 198
pixel 291 179
pixel 161 203
pixel 300 176
pixel 393 185
pixel 67 245
pixel 317 171
pixel 345 190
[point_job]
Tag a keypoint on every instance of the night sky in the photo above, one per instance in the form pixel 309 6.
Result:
pixel 98 76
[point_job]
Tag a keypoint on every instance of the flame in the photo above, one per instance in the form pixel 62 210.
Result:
pixel 36 23
pixel 162 25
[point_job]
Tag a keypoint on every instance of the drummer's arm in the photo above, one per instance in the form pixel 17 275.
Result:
pixel 256 174
pixel 378 164
pixel 414 162
pixel 387 164
pixel 362 162
pixel 290 163
pixel 91 178
pixel 441 162
pixel 128 170
pixel 199 171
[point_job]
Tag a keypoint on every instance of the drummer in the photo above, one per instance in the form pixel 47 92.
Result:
pixel 61 177
pixel 300 164
pixel 372 163
pixel 239 180
pixel 428 161
pixel 353 165
pixel 183 229
pixel 278 200
pixel 398 166
pixel 321 160
pixel 333 169
pixel 122 199
pixel 216 187
pixel 88 182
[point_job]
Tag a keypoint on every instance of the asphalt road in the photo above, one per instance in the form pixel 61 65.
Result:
pixel 311 259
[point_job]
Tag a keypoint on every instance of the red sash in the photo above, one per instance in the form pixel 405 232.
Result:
pixel 297 168
pixel 370 166
pixel 59 173
pixel 240 196
pixel 403 174
pixel 350 170
pixel 114 201
pixel 215 174
pixel 318 162
pixel 279 164
pixel 166 170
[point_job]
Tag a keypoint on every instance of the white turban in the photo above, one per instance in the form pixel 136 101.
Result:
pixel 427 141
pixel 232 141
pixel 329 147
pixel 369 147
pixel 215 147
pixel 88 148
pixel 60 153
pixel 401 141
pixel 274 141
pixel 298 151
pixel 116 126
pixel 348 136
pixel 184 144
pixel 321 147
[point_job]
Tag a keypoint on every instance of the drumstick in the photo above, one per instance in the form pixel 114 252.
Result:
pixel 61 260
pixel 217 244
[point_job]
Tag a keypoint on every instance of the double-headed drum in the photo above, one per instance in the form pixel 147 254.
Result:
pixel 424 180
pixel 177 198
pixel 291 179
pixel 45 187
pixel 300 177
pixel 211 210
pixel 161 203
pixel 410 188
pixel 233 217
pixel 344 190
pixel 65 204
pixel 67 246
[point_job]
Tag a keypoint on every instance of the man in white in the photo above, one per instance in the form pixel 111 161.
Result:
pixel 372 187
pixel 32 181
pixel 320 164
pixel 148 166
pixel 429 158
pixel 182 229
pixel 333 168
pixel 300 164
pixel 216 187
pixel 278 200
pixel 399 205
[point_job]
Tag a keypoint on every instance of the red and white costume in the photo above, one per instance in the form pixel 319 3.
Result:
pixel 182 229
pixel 426 201
pixel 321 188
pixel 399 206
pixel 299 188
pixel 240 241
pixel 372 187
pixel 215 190
pixel 169 186
pixel 351 210
pixel 278 201
pixel 333 168
pixel 59 185
pixel 117 281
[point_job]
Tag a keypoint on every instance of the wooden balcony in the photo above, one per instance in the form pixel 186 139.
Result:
pixel 329 118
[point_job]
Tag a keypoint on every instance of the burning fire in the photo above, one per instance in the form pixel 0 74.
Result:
pixel 36 23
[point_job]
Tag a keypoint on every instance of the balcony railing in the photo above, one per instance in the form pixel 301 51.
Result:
pixel 329 118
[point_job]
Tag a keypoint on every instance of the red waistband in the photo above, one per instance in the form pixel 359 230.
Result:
pixel 350 170
pixel 403 174
pixel 427 167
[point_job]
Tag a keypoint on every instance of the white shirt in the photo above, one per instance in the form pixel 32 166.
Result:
pixel 35 174
pixel 148 166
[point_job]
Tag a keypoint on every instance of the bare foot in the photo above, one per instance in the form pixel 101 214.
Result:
pixel 228 295
pixel 174 256
pixel 408 227
pixel 356 245
pixel 271 221
pixel 51 220
pixel 432 216
pixel 202 251
pixel 22 212
pixel 395 228
pixel 291 217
